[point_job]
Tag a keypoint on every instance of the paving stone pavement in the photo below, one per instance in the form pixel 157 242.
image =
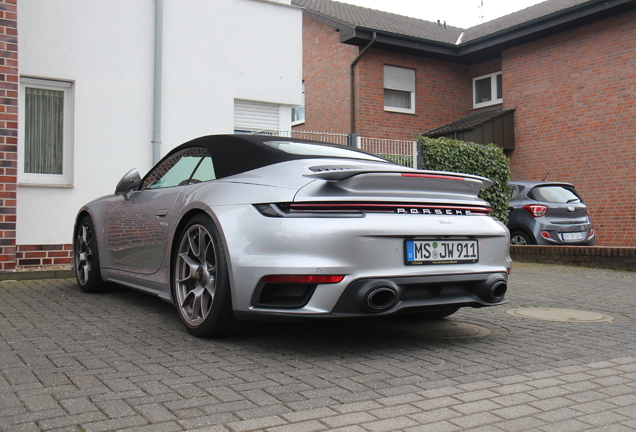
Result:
pixel 122 361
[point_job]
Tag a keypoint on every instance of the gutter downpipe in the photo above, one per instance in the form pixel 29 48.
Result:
pixel 352 115
pixel 156 103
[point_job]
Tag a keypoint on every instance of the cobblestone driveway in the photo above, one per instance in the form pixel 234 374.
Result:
pixel 122 361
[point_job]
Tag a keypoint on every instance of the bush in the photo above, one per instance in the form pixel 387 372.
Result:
pixel 486 160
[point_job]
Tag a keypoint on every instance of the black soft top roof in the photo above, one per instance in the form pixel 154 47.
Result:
pixel 235 154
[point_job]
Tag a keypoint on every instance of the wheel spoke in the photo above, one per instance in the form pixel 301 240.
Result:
pixel 189 268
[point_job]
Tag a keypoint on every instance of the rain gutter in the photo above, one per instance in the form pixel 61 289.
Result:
pixel 157 74
pixel 543 23
pixel 352 115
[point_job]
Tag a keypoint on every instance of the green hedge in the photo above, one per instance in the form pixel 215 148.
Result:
pixel 486 160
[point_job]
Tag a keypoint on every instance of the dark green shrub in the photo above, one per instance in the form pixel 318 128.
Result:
pixel 486 160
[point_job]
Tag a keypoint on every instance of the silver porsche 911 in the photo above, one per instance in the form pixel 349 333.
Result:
pixel 236 228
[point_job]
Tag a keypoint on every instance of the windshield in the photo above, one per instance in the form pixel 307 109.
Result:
pixel 555 194
pixel 307 149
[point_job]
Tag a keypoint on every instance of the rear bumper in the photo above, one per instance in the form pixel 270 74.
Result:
pixel 557 233
pixel 396 295
pixel 368 252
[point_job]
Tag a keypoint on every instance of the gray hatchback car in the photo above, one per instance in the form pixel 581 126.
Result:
pixel 548 213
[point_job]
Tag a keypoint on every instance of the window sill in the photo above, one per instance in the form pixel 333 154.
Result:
pixel 298 122
pixel 487 104
pixel 399 111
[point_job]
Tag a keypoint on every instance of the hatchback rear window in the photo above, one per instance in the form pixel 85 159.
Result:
pixel 555 194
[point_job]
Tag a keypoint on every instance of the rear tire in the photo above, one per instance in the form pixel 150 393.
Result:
pixel 86 258
pixel 519 238
pixel 200 280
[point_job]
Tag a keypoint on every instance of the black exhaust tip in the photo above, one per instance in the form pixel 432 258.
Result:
pixel 498 290
pixel 381 298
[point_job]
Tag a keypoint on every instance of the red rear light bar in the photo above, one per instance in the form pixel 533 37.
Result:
pixel 383 207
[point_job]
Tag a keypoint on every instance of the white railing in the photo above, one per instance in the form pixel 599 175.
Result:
pixel 400 151
pixel 330 137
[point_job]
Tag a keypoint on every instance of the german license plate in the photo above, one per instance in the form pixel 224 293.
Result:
pixel 573 236
pixel 441 252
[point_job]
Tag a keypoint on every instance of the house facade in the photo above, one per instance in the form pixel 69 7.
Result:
pixel 102 87
pixel 553 85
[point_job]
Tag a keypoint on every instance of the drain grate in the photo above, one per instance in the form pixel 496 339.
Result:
pixel 560 315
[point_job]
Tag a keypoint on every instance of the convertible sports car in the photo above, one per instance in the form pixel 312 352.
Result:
pixel 233 228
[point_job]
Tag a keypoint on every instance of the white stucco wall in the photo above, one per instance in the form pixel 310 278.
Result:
pixel 213 52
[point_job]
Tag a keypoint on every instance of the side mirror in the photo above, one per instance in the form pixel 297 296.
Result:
pixel 128 183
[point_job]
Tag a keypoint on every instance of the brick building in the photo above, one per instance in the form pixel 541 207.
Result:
pixel 553 84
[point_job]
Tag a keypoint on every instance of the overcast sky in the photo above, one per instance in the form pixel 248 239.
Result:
pixel 458 13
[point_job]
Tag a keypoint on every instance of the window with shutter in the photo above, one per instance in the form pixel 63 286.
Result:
pixel 399 89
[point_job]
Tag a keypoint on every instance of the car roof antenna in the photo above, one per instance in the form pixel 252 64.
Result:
pixel 546 176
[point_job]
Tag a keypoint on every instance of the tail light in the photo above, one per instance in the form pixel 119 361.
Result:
pixel 536 210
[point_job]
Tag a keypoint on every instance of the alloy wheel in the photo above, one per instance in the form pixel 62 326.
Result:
pixel 195 274
pixel 83 254
pixel 518 240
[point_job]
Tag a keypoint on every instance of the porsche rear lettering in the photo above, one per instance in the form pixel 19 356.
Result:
pixel 431 211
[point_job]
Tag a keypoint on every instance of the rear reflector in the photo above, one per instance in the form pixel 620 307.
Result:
pixel 302 279
pixel 545 235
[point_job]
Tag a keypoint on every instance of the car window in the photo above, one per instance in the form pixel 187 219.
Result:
pixel 175 170
pixel 555 194
pixel 514 191
pixel 204 172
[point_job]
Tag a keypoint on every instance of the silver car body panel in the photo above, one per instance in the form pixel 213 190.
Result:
pixel 136 233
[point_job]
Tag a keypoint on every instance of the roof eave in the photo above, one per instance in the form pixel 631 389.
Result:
pixel 486 47
pixel 549 25
pixel 361 36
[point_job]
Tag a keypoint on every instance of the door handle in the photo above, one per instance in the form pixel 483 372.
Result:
pixel 161 213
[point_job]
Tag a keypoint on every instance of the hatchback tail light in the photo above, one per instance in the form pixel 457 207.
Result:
pixel 536 210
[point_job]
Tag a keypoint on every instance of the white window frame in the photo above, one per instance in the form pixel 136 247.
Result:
pixel 401 79
pixel 300 109
pixel 493 90
pixel 48 180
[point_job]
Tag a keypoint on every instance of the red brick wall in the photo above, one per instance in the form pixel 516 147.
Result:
pixel 484 68
pixel 442 94
pixel 575 99
pixel 8 130
pixel 44 255
pixel 443 90
pixel 326 75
